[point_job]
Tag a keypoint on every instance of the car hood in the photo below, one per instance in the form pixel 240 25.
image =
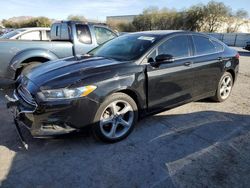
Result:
pixel 68 71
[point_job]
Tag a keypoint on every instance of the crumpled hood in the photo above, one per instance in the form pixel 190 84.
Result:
pixel 66 71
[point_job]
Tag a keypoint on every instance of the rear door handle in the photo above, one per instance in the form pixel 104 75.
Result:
pixel 188 64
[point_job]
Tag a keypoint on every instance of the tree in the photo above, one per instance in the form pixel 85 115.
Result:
pixel 126 27
pixel 194 18
pixel 77 18
pixel 33 22
pixel 235 20
pixel 216 13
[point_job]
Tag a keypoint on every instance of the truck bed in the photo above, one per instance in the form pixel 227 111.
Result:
pixel 10 48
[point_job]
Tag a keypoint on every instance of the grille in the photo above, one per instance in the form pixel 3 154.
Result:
pixel 25 95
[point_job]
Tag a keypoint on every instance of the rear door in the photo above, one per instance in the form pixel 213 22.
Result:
pixel 172 83
pixel 207 65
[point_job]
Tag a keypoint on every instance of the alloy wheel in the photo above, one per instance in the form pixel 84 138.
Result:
pixel 226 87
pixel 116 119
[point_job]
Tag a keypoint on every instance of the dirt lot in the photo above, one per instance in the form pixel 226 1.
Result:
pixel 201 144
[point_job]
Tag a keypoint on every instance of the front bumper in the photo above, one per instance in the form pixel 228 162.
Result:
pixel 53 118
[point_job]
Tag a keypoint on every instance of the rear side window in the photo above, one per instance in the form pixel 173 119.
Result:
pixel 83 34
pixel 177 46
pixel 203 45
pixel 102 35
pixel 218 46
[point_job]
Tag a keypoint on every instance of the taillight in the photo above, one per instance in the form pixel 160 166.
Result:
pixel 237 56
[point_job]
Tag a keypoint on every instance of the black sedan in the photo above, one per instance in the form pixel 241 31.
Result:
pixel 124 79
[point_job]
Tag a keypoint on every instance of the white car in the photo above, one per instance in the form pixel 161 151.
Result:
pixel 33 33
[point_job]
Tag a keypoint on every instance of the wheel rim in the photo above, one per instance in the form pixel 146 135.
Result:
pixel 116 119
pixel 226 87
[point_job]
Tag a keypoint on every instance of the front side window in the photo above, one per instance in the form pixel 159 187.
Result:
pixel 203 45
pixel 127 47
pixel 177 46
pixel 102 35
pixel 83 34
pixel 33 35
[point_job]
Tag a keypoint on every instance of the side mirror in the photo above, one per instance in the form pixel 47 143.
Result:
pixel 164 58
pixel 160 59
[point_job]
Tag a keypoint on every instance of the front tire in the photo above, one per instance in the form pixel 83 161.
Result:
pixel 116 117
pixel 224 88
pixel 25 69
pixel 30 66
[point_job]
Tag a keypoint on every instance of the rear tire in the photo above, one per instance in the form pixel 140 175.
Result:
pixel 224 88
pixel 115 119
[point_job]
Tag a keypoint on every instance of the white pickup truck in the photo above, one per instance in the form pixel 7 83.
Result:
pixel 32 33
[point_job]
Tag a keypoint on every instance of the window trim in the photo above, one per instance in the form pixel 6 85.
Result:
pixel 147 54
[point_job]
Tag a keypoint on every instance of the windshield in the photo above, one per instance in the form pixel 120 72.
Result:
pixel 125 48
pixel 11 34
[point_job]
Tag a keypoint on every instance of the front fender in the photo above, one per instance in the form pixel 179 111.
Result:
pixel 134 83
pixel 17 60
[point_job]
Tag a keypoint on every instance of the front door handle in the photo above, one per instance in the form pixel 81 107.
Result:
pixel 188 64
pixel 220 59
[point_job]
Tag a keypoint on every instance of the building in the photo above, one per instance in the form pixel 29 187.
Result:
pixel 121 19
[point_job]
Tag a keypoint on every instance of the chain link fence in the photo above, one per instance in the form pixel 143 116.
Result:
pixel 232 39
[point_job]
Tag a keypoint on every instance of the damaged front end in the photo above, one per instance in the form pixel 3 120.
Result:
pixel 26 113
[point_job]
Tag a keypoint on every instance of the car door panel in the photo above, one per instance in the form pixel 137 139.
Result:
pixel 207 69
pixel 207 66
pixel 169 84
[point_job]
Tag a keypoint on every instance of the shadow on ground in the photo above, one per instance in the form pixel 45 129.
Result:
pixel 206 148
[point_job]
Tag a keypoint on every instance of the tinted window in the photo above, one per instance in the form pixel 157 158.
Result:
pixel 83 34
pixel 103 35
pixel 218 46
pixel 203 45
pixel 33 35
pixel 126 47
pixel 177 47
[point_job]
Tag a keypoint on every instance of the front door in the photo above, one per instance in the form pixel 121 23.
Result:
pixel 171 83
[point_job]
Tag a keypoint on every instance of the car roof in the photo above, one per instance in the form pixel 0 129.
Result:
pixel 164 33
pixel 82 22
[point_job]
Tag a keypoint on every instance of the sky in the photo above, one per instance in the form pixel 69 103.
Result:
pixel 97 9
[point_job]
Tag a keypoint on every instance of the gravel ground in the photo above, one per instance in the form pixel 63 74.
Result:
pixel 201 144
